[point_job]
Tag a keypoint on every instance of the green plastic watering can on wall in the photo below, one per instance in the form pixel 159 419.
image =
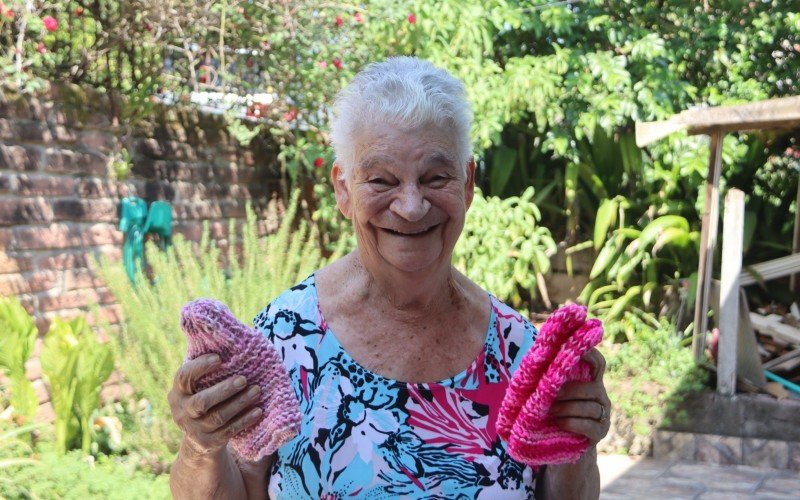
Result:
pixel 136 221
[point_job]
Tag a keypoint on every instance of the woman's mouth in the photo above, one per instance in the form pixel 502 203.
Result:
pixel 411 234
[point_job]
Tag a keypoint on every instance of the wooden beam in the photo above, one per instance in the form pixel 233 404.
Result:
pixel 708 241
pixel 732 236
pixel 770 270
pixel 794 281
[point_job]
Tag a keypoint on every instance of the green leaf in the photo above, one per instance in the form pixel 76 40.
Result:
pixel 657 226
pixel 606 217
pixel 604 258
pixel 503 163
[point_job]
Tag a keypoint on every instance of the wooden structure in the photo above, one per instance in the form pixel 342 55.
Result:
pixel 783 113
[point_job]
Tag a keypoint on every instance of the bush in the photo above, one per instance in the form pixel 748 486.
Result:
pixel 151 345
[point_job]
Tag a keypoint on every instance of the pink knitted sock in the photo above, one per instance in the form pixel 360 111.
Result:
pixel 211 328
pixel 554 359
pixel 558 327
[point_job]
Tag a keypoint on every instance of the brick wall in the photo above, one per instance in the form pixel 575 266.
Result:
pixel 59 198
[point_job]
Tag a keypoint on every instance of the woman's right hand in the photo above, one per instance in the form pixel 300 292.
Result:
pixel 210 417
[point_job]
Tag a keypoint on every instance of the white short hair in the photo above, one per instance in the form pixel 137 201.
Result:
pixel 404 91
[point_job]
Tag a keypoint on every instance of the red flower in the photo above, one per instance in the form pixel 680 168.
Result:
pixel 412 18
pixel 323 64
pixel 358 17
pixel 337 63
pixel 339 21
pixel 79 11
pixel 50 23
pixel 318 162
pixel 41 48
pixel 290 115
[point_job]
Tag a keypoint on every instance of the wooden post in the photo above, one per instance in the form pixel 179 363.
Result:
pixel 708 241
pixel 732 235
pixel 794 281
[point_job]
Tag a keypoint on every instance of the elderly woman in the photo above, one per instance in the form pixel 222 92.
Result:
pixel 399 361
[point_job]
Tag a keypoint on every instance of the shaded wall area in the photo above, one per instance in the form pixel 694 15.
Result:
pixel 64 167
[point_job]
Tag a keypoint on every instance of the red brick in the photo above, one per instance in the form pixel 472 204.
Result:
pixel 19 158
pixel 33 369
pixel 30 282
pixel 62 260
pixel 61 133
pixel 99 210
pixel 45 185
pixel 111 252
pixel 76 279
pixel 30 131
pixel 6 237
pixel 100 141
pixel 233 208
pixel 15 263
pixel 166 150
pixel 192 231
pixel 73 299
pixel 52 236
pixel 15 211
pixel 45 414
pixel 93 187
pixel 169 170
pixel 7 129
pixel 41 391
pixel 74 162
pixel 198 210
pixel 103 234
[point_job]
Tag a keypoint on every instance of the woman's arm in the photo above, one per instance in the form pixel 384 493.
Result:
pixel 205 468
pixel 574 481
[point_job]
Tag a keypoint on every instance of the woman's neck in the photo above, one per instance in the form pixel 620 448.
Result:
pixel 409 295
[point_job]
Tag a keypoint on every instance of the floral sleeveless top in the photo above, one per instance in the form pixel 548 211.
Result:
pixel 367 436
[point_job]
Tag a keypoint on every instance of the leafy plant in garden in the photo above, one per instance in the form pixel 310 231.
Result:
pixel 503 248
pixel 252 272
pixel 17 338
pixel 75 366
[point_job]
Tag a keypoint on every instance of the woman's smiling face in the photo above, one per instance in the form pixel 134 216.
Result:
pixel 406 195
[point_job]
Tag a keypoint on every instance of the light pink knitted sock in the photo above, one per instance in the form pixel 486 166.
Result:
pixel 555 331
pixel 210 327
pixel 532 437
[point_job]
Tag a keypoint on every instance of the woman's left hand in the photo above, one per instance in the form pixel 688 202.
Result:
pixel 584 407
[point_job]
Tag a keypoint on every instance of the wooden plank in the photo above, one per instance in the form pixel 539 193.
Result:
pixel 777 362
pixel 769 270
pixel 708 240
pixel 748 357
pixel 770 114
pixel 732 235
pixel 772 327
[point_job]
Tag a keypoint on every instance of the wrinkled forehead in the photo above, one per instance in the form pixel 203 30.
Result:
pixel 388 146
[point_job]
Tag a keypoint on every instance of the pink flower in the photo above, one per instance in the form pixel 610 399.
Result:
pixel 339 20
pixel 337 63
pixel 41 48
pixel 412 18
pixel 323 64
pixel 358 17
pixel 318 162
pixel 290 115
pixel 50 23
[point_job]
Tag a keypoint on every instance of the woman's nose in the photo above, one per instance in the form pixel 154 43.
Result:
pixel 410 203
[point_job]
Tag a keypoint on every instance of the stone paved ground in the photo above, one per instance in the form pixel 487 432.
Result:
pixel 626 478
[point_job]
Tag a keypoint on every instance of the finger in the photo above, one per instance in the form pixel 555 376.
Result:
pixel 582 390
pixel 578 409
pixel 192 370
pixel 597 361
pixel 245 421
pixel 590 428
pixel 200 403
pixel 221 416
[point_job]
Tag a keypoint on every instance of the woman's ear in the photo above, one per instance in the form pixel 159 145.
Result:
pixel 341 190
pixel 470 187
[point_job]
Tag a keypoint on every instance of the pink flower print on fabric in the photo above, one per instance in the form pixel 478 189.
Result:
pixel 524 422
pixel 210 327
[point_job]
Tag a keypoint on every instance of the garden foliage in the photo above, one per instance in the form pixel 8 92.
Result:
pixel 17 338
pixel 75 366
